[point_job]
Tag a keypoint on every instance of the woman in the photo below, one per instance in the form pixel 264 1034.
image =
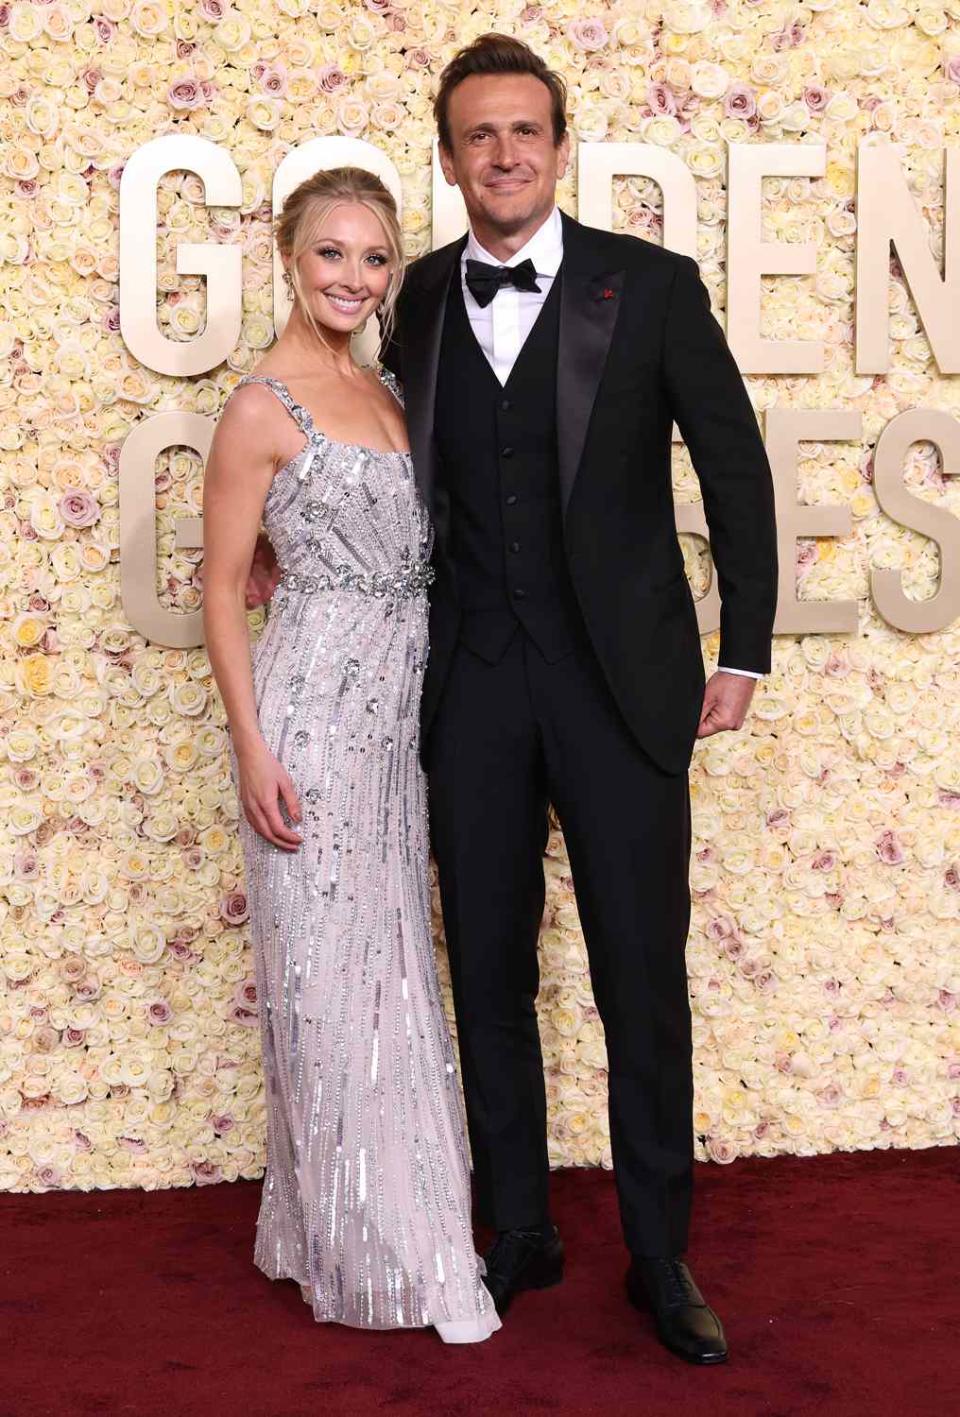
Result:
pixel 366 1197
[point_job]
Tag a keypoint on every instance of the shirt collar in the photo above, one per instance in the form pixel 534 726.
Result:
pixel 544 249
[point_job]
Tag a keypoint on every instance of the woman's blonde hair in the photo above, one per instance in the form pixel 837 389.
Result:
pixel 304 212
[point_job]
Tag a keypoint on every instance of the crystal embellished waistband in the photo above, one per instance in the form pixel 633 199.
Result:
pixel 405 581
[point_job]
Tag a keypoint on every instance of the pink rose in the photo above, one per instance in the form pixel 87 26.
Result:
pixel 587 34
pixel 245 1017
pixel 185 93
pixel 135 1144
pixel 233 908
pixel 245 994
pixel 82 1142
pixel 49 1176
pixel 206 1173
pixel 740 102
pixel 212 10
pixel 889 849
pixel 105 29
pixel 816 97
pixel 78 507
pixel 26 865
pixel 952 69
pixel 273 81
pixel 720 1151
pixel 824 861
pixel 661 98
pixel 159 1013
pixel 330 78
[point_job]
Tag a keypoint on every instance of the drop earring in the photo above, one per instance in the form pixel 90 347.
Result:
pixel 288 284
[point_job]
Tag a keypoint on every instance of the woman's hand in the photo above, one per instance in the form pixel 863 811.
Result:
pixel 264 783
pixel 264 574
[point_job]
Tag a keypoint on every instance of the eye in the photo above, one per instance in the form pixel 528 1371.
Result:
pixel 329 253
pixel 377 258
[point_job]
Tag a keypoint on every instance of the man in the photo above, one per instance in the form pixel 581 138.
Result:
pixel 543 365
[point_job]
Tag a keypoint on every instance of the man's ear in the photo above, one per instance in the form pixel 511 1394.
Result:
pixel 563 154
pixel 446 165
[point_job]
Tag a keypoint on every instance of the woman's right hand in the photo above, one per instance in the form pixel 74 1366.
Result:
pixel 264 784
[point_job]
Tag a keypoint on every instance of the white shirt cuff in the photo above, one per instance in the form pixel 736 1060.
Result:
pixel 747 673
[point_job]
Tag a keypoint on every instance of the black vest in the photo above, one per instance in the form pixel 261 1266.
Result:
pixel 497 455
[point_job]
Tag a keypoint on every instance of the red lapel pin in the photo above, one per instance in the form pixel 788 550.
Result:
pixel 607 293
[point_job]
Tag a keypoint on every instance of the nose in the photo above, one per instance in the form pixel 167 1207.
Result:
pixel 351 276
pixel 505 155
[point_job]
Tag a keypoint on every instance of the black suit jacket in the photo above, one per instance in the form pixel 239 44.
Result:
pixel 638 350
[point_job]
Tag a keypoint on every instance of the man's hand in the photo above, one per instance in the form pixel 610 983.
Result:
pixel 264 574
pixel 725 703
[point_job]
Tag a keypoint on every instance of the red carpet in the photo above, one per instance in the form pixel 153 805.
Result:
pixel 836 1277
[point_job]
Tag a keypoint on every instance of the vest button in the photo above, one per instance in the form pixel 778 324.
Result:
pixel 518 592
pixel 506 405
pixel 506 452
pixel 512 500
pixel 514 546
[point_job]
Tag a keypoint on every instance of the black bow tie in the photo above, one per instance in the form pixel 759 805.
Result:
pixel 484 281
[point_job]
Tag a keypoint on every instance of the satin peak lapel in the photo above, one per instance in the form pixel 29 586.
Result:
pixel 589 304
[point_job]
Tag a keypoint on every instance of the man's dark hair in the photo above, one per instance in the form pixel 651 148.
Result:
pixel 498 54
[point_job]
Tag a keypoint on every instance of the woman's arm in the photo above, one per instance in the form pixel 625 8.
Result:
pixel 237 478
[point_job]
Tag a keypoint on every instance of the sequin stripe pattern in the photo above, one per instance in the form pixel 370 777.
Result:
pixel 365 1199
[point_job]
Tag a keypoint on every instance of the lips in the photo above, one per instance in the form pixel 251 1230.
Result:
pixel 343 304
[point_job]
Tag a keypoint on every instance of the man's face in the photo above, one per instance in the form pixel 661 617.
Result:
pixel 503 157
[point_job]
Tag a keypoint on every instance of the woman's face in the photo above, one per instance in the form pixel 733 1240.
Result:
pixel 345 271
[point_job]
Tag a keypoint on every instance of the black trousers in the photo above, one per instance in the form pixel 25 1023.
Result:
pixel 507 739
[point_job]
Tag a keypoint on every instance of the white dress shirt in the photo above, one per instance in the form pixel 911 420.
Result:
pixel 502 326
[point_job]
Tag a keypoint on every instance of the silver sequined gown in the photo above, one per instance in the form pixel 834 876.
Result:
pixel 366 1200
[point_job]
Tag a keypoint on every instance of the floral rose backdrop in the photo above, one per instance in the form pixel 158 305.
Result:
pixel 823 957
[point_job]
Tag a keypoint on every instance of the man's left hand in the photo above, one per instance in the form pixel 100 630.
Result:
pixel 726 700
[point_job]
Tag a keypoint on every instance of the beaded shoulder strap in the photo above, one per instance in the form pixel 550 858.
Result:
pixel 296 410
pixel 391 381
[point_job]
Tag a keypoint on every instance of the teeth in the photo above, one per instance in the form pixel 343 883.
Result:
pixel 346 305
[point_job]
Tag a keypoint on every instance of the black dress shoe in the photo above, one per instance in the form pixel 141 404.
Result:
pixel 685 1322
pixel 522 1259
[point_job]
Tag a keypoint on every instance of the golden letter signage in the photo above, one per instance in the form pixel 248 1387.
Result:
pixel 887 219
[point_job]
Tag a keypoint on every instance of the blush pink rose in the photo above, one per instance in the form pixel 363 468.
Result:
pixel 330 78
pixel 185 94
pixel 233 908
pixel 245 994
pixel 588 34
pixel 889 850
pixel 78 507
pixel 661 98
pixel 206 1173
pixel 816 97
pixel 740 102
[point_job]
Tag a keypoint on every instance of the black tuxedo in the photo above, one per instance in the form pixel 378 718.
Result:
pixel 584 690
pixel 637 350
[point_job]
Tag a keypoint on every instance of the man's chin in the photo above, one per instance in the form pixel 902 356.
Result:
pixel 510 217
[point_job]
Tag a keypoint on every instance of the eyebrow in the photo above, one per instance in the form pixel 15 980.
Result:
pixel 334 241
pixel 515 123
